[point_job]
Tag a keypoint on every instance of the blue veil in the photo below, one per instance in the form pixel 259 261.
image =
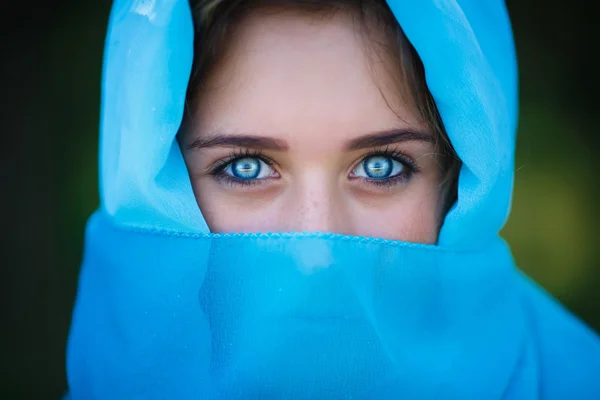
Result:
pixel 165 309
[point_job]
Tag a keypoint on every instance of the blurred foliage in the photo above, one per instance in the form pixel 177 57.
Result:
pixel 52 57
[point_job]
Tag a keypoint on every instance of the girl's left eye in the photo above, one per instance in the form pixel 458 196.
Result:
pixel 378 167
pixel 248 168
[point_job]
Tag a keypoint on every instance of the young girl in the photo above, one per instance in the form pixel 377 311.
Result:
pixel 345 138
pixel 283 215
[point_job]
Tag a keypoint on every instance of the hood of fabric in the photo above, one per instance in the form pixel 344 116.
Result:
pixel 467 50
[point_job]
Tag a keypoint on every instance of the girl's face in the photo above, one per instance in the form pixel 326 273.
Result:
pixel 301 128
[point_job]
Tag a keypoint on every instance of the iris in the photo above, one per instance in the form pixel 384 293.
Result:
pixel 378 167
pixel 246 168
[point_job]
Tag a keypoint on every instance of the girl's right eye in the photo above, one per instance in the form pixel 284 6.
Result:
pixel 248 168
pixel 244 170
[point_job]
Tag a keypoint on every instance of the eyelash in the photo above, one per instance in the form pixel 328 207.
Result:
pixel 217 170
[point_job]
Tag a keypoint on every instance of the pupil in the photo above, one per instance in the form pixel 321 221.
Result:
pixel 246 168
pixel 378 167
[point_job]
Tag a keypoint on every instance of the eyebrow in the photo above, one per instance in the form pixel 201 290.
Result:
pixel 248 141
pixel 375 139
pixel 383 138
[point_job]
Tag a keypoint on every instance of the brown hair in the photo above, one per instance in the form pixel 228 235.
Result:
pixel 215 23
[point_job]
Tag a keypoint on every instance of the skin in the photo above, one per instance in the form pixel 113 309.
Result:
pixel 305 95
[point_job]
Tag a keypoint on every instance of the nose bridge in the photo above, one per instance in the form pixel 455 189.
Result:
pixel 319 205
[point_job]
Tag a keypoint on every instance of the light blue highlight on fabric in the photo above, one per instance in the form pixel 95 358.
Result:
pixel 148 59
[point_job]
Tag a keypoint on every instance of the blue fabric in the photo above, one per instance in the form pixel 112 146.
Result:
pixel 166 309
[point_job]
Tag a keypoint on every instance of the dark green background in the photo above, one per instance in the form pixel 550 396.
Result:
pixel 51 57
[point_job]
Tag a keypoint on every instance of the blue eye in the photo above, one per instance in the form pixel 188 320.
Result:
pixel 378 167
pixel 248 168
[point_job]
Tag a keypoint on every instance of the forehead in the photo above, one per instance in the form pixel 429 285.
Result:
pixel 295 75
